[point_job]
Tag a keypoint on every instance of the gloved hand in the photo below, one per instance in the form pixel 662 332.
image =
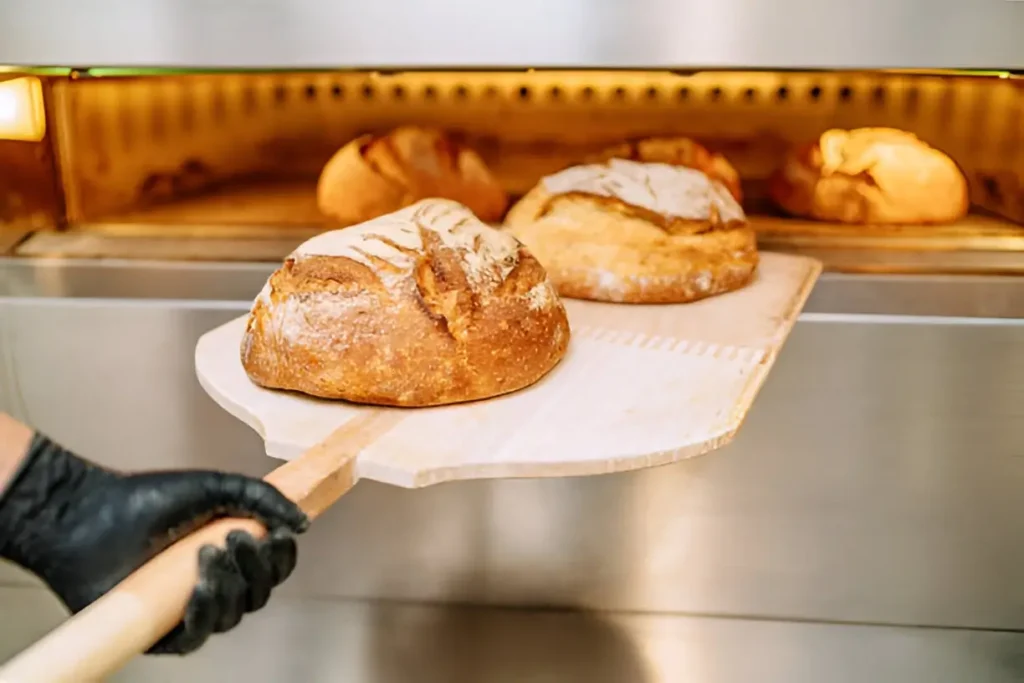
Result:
pixel 82 529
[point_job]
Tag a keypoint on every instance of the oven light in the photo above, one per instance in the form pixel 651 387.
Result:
pixel 21 109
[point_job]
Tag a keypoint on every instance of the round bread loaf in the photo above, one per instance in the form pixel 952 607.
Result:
pixel 871 175
pixel 625 231
pixel 678 151
pixel 376 174
pixel 425 306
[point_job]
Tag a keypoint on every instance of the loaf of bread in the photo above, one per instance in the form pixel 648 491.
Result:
pixel 425 306
pixel 678 151
pixel 624 231
pixel 871 175
pixel 376 174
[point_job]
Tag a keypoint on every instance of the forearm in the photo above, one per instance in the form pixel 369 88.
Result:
pixel 14 442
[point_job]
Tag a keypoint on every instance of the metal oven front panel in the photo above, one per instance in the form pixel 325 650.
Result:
pixel 877 479
pixel 875 34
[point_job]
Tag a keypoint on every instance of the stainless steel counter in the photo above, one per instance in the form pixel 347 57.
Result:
pixel 872 500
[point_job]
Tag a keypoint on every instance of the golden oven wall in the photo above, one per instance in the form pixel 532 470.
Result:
pixel 127 143
pixel 236 155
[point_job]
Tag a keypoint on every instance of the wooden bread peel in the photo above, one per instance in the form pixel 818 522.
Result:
pixel 641 386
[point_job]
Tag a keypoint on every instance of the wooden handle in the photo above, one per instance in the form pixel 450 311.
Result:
pixel 144 607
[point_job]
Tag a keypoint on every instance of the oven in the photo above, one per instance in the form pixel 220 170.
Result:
pixel 158 159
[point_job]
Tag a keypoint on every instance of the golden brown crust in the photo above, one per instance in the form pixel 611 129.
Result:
pixel 678 151
pixel 871 175
pixel 423 307
pixel 636 233
pixel 376 174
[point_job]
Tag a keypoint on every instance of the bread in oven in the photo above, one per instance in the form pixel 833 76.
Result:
pixel 376 174
pixel 870 175
pixel 678 151
pixel 425 306
pixel 624 231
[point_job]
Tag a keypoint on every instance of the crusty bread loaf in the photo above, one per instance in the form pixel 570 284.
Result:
pixel 376 174
pixel 678 151
pixel 425 306
pixel 870 175
pixel 625 231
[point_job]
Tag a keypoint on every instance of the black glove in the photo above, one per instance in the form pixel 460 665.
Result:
pixel 82 529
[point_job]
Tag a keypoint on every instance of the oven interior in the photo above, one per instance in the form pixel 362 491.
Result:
pixel 222 166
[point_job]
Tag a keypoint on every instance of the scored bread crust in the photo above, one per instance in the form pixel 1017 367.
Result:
pixel 678 151
pixel 631 232
pixel 426 306
pixel 374 175
pixel 871 175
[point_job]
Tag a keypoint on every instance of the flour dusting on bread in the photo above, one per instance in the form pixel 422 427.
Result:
pixel 672 191
pixel 391 245
pixel 541 295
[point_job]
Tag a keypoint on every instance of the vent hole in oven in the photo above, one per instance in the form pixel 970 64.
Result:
pixel 310 92
pixel 525 93
pixel 337 92
pixel 946 102
pixel 913 97
pixel 188 115
pixel 782 93
pixel 461 92
pixel 280 94
pixel 250 101
pixel 219 106
pixel 587 94
pixel 619 94
pixel 878 96
pixel 94 127
pixel 652 93
pixel 749 94
pixel 369 92
pixel 555 93
pixel 398 92
pixel 491 92
pixel 430 93
pixel 993 192
pixel 845 93
pixel 158 123
pixel 814 93
pixel 127 131
pixel 715 94
pixel 683 94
